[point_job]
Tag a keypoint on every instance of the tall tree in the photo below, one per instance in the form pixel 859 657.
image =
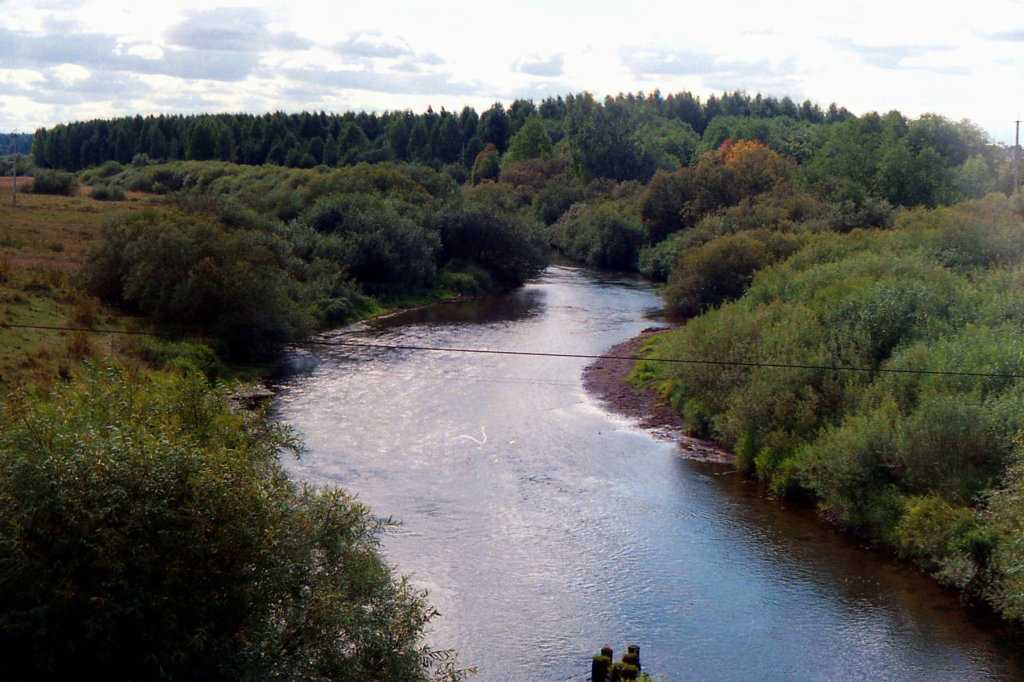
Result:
pixel 202 140
pixel 531 142
pixel 495 127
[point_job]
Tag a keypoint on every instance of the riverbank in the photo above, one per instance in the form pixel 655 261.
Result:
pixel 518 498
pixel 606 379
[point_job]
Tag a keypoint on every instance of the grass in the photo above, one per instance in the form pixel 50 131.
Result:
pixel 31 231
pixel 43 241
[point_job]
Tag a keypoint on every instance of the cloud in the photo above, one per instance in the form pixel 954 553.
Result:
pixel 716 73
pixel 1015 35
pixel 417 63
pixel 187 102
pixel 55 88
pixel 777 82
pixel 232 29
pixel 373 45
pixel 547 67
pixel 540 90
pixel 384 81
pixel 665 62
pixel 899 57
pixel 104 52
pixel 60 5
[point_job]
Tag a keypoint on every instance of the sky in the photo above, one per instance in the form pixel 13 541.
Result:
pixel 64 60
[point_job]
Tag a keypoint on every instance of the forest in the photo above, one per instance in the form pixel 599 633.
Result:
pixel 312 138
pixel 15 143
pixel 777 231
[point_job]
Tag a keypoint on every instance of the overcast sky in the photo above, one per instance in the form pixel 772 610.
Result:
pixel 62 60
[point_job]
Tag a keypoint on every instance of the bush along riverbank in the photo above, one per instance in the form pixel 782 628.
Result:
pixel 930 465
pixel 150 531
pixel 259 257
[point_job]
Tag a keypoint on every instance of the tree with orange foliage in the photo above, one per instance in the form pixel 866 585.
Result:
pixel 755 167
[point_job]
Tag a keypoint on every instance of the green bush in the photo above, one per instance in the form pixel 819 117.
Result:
pixel 1005 507
pixel 555 198
pixel 107 193
pixel 723 269
pixel 487 165
pixel 490 228
pixel 465 278
pixel 905 457
pixel 54 182
pixel 149 532
pixel 602 235
pixel 371 238
pixel 167 354
pixel 192 273
pixel 938 536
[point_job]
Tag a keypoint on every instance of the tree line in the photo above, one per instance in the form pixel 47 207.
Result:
pixel 309 139
pixel 15 143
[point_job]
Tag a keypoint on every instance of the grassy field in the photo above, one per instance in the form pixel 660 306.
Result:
pixel 43 240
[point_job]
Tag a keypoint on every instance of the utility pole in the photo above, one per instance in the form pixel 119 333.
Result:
pixel 1016 160
pixel 14 173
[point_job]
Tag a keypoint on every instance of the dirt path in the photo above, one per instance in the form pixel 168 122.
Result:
pixel 605 378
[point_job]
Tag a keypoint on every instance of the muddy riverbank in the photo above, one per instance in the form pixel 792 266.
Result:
pixel 606 379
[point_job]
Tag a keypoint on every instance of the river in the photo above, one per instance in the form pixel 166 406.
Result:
pixel 545 527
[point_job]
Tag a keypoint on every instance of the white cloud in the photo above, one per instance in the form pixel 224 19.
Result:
pixel 547 67
pixel 182 55
pixel 373 44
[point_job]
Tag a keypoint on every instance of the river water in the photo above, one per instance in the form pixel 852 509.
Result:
pixel 545 527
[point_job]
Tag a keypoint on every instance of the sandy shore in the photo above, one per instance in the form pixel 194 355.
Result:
pixel 605 379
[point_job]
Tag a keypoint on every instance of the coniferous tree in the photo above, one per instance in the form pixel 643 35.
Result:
pixel 494 127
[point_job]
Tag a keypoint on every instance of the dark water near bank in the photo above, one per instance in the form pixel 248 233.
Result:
pixel 545 527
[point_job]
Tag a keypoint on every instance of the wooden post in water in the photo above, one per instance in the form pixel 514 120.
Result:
pixel 602 668
pixel 633 651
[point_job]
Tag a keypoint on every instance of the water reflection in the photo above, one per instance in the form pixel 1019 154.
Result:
pixel 520 305
pixel 545 527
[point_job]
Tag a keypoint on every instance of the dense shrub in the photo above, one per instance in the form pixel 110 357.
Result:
pixel 149 532
pixel 490 228
pixel 107 193
pixel 556 197
pixel 675 201
pixel 466 279
pixel 54 182
pixel 191 272
pixel 602 235
pixel 722 269
pixel 23 163
pixel 1005 507
pixel 487 165
pixel 656 261
pixel 371 238
pixel 905 458
pixel 532 176
pixel 180 355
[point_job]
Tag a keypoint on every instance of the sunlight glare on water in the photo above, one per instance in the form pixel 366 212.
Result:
pixel 545 527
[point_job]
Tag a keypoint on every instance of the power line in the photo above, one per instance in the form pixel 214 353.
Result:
pixel 681 361
pixel 87 330
pixel 577 356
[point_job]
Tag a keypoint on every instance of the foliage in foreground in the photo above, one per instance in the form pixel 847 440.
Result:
pixel 150 532
pixel 926 464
